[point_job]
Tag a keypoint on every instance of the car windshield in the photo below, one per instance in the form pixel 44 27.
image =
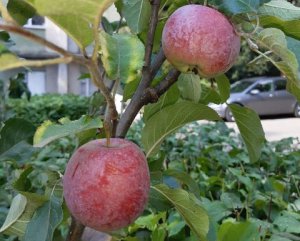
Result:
pixel 240 86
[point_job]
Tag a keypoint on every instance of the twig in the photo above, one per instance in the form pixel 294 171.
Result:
pixel 40 63
pixel 75 231
pixel 6 16
pixel 35 38
pixel 96 36
pixel 112 115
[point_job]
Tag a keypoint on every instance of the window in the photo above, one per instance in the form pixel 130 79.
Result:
pixel 240 86
pixel 87 88
pixel 280 84
pixel 264 87
pixel 36 81
pixel 35 22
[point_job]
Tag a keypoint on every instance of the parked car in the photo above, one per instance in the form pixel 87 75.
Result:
pixel 265 95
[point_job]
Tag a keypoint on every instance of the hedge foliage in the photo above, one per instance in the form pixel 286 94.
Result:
pixel 47 107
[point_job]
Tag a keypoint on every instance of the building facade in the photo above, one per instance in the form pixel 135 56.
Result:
pixel 60 78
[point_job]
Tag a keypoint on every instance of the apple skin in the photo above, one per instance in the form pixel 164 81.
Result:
pixel 106 188
pixel 200 38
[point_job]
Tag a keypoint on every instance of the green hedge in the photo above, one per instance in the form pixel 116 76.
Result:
pixel 47 107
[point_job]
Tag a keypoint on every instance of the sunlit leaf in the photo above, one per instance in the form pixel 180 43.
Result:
pixel 76 17
pixel 50 131
pixel 122 56
pixel 20 11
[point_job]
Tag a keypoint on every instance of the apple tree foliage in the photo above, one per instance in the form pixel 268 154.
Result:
pixel 128 55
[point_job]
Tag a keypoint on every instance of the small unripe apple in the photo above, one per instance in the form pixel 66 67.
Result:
pixel 106 187
pixel 200 38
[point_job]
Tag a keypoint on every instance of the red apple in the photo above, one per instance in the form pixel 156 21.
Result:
pixel 200 38
pixel 106 187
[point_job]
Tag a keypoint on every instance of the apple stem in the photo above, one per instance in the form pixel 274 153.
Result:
pixel 205 3
pixel 107 129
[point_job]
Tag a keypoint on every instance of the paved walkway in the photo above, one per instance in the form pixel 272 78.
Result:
pixel 277 129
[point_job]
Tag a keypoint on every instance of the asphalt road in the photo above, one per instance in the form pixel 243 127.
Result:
pixel 278 128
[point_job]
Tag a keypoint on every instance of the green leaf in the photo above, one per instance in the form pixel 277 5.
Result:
pixel 223 86
pixel 48 216
pixel 17 208
pixel 151 221
pixel 188 207
pixel 20 11
pixel 250 128
pixel 286 222
pixel 280 9
pixel 21 152
pixel 238 6
pixel 290 28
pixel 130 89
pixel 185 179
pixel 14 132
pixel 175 224
pixel 122 56
pixel 137 14
pixel 159 234
pixel 238 232
pixel 294 46
pixel 4 37
pixel 190 87
pixel 168 98
pixel 274 40
pixel 209 95
pixel 18 217
pixel 217 210
pixel 75 17
pixel 23 185
pixel 282 15
pixel 49 131
pixel 170 119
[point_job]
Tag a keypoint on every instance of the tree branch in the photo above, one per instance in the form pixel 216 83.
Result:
pixel 159 60
pixel 137 100
pixel 75 231
pixel 149 95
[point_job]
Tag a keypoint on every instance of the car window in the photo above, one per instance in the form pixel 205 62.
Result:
pixel 240 86
pixel 263 87
pixel 280 84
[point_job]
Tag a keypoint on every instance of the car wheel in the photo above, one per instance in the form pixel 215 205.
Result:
pixel 297 110
pixel 228 115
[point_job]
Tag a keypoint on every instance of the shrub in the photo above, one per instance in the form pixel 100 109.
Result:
pixel 47 107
